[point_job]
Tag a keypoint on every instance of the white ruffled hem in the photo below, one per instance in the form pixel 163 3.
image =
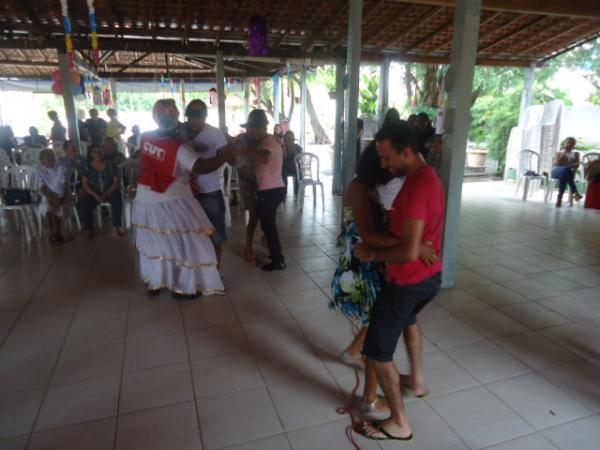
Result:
pixel 175 248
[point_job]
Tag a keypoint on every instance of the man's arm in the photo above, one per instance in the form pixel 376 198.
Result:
pixel 408 250
pixel 259 155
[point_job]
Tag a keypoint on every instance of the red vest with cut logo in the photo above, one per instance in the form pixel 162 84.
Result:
pixel 159 158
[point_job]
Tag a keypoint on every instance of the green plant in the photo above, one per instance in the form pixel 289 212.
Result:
pixel 369 91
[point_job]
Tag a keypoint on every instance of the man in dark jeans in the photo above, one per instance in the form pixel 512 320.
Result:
pixel 267 154
pixel 411 283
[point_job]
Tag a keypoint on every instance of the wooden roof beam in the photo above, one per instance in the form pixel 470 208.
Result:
pixel 340 7
pixel 584 9
pixel 105 56
pixel 435 32
pixel 554 37
pixel 134 62
pixel 417 23
pixel 512 34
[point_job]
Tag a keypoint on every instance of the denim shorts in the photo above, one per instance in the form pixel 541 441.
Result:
pixel 396 308
pixel 213 205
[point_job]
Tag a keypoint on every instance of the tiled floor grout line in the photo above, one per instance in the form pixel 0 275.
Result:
pixel 122 372
pixel 60 352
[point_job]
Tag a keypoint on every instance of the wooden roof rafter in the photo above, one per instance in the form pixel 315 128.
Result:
pixel 423 18
pixel 513 34
pixel 340 7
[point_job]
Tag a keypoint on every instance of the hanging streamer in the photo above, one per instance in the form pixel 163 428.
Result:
pixel 68 31
pixel 258 90
pixel 93 29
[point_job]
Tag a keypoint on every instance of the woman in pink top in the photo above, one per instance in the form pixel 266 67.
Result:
pixel 267 154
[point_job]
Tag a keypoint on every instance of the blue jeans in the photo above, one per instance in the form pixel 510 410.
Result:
pixel 565 176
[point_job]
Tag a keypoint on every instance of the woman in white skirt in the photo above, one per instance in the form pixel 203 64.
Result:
pixel 173 232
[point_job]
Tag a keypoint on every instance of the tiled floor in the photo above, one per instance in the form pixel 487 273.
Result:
pixel 512 354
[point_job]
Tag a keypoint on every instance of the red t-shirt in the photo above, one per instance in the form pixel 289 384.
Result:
pixel 421 198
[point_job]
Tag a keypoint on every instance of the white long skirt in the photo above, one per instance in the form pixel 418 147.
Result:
pixel 173 239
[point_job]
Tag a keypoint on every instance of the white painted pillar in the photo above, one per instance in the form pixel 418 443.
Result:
pixel 303 108
pixel 246 98
pixel 459 84
pixel 384 87
pixel 276 98
pixel 340 73
pixel 221 91
pixel 527 93
pixel 351 113
pixel 65 70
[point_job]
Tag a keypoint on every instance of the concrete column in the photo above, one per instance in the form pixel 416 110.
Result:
pixel 221 91
pixel 459 84
pixel 303 108
pixel 527 93
pixel 351 114
pixel 340 72
pixel 65 70
pixel 246 98
pixel 384 87
pixel 276 99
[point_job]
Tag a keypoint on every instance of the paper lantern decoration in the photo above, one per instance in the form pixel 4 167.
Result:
pixel 57 75
pixel 93 29
pixel 258 41
pixel 58 87
pixel 75 78
pixel 68 30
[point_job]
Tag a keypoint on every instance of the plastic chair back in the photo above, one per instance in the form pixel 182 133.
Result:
pixel 529 160
pixel 307 167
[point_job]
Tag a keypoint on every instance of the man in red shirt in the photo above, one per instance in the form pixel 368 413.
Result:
pixel 417 215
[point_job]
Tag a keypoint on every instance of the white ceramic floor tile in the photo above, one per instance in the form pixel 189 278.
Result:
pixel 539 402
pixel 172 427
pixel 535 441
pixel 216 341
pixel 18 411
pixel 535 350
pixel 24 374
pixel 90 362
pixel 455 300
pixel 579 380
pixel 97 435
pixel 225 374
pixel 448 332
pixel 155 351
pixel 494 294
pixel 277 442
pixel 479 418
pixel 583 434
pixel 328 436
pixel 487 362
pixel 492 323
pixel 237 417
pixel 534 315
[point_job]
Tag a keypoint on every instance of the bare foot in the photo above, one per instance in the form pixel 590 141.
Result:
pixel 420 390
pixel 353 359
pixel 386 429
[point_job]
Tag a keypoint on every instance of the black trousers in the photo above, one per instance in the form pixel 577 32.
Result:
pixel 89 203
pixel 267 203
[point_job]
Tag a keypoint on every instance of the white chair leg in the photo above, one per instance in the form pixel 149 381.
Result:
pixel 301 196
pixel 519 180
pixel 26 230
pixel 322 195
pixel 525 189
pixel 314 186
pixel 76 215
pixel 246 217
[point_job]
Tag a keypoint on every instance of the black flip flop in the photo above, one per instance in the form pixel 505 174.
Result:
pixel 388 437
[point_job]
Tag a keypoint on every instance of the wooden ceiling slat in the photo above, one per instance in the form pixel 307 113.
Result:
pixel 423 18
pixel 512 34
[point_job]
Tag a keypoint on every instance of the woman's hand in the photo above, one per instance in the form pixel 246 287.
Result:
pixel 365 253
pixel 427 253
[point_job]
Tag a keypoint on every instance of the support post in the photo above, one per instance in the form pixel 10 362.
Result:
pixel 340 72
pixel 527 93
pixel 221 91
pixel 303 108
pixel 246 98
pixel 276 99
pixel 65 70
pixel 353 58
pixel 384 87
pixel 459 84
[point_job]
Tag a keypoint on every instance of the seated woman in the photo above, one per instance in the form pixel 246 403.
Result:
pixel 52 183
pixel 102 184
pixel 289 163
pixel 566 162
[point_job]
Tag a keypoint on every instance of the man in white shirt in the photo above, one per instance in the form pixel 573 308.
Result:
pixel 207 141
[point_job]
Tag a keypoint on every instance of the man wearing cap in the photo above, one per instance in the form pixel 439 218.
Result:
pixel 207 140
pixel 172 228
pixel 267 154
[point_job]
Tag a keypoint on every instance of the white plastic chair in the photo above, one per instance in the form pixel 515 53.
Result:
pixel 579 176
pixel 21 178
pixel 307 170
pixel 529 160
pixel 31 156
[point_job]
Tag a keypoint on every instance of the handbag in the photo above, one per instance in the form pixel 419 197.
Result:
pixel 16 197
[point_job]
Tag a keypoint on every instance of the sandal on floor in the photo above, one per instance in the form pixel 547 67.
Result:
pixel 249 256
pixel 387 436
pixel 371 408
